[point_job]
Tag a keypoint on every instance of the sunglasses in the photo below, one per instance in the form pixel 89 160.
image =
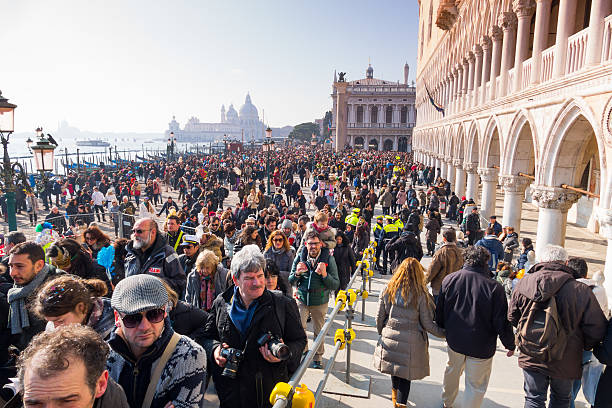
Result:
pixel 278 240
pixel 133 320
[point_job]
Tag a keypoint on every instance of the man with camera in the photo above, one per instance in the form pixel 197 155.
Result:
pixel 255 338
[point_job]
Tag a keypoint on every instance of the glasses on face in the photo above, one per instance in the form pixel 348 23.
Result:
pixel 214 225
pixel 133 320
pixel 139 231
pixel 315 243
pixel 278 239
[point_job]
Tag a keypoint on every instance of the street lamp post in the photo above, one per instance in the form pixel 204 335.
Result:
pixel 170 148
pixel 7 126
pixel 267 147
pixel 43 151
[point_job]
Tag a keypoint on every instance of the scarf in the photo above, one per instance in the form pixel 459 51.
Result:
pixel 18 312
pixel 277 251
pixel 207 292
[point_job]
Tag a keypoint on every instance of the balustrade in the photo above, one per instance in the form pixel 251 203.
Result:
pixel 606 52
pixel 548 60
pixel 576 51
pixel 526 75
pixel 510 81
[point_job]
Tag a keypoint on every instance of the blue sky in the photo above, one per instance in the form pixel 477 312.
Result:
pixel 130 65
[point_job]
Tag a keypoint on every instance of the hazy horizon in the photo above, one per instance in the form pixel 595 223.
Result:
pixel 130 66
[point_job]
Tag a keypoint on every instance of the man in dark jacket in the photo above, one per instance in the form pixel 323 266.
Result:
pixel 407 245
pixel 238 319
pixel 267 229
pixel 581 318
pixel 174 235
pixel 473 309
pixel 57 219
pixel 148 252
pixel 191 250
pixel 494 246
pixel 472 226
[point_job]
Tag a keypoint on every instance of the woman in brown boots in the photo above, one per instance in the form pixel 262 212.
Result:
pixel 405 315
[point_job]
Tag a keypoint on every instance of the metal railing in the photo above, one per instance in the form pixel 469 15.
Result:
pixel 283 393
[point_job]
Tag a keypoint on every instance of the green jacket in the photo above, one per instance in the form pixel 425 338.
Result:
pixel 313 290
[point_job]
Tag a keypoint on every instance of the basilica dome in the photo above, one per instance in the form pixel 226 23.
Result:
pixel 231 114
pixel 248 109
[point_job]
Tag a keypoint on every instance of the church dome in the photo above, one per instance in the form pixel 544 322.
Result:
pixel 231 114
pixel 248 109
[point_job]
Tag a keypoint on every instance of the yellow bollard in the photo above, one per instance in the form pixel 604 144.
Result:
pixel 339 337
pixel 303 397
pixel 280 391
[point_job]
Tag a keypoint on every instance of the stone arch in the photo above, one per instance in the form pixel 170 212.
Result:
pixel 359 143
pixel 522 149
pixel 388 145
pixel 373 143
pixel 490 152
pixel 459 152
pixel 471 144
pixel 402 144
pixel 574 135
pixel 448 151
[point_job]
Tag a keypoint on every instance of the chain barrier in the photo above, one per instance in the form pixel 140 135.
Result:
pixel 298 394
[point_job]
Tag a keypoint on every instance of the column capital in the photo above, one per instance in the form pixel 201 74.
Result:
pixel 486 43
pixel 458 163
pixel 448 160
pixel 523 8
pixel 496 33
pixel 477 50
pixel 470 58
pixel 508 21
pixel 555 198
pixel 470 167
pixel 514 184
pixel 604 216
pixel 488 174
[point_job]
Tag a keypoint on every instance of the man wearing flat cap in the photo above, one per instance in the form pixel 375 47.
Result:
pixel 156 366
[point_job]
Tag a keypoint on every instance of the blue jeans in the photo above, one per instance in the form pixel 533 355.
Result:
pixel 536 389
pixel 586 357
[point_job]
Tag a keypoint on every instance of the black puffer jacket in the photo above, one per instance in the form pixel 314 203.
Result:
pixel 405 246
pixel 256 377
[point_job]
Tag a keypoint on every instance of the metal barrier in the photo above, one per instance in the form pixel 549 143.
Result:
pixel 283 392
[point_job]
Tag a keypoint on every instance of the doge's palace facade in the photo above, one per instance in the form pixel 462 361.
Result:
pixel 521 97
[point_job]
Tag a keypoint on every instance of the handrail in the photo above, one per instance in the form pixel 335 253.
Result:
pixel 529 176
pixel 283 392
pixel 579 190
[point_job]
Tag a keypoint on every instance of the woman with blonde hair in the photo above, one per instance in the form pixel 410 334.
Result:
pixel 405 315
pixel 206 281
pixel 279 251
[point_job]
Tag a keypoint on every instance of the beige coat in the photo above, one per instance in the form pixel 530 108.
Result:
pixel 446 260
pixel 402 349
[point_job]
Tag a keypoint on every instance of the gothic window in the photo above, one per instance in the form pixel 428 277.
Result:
pixel 389 115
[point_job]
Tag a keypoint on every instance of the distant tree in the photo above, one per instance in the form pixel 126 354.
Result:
pixel 304 131
pixel 327 119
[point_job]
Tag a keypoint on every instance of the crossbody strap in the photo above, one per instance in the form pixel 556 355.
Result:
pixel 156 375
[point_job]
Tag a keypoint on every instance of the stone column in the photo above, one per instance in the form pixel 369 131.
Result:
pixel 459 90
pixel 524 10
pixel 453 91
pixel 472 181
pixel 477 75
pixel 459 178
pixel 486 66
pixel 565 26
pixel 341 119
pixel 496 38
pixel 464 87
pixel 450 172
pixel 604 216
pixel 540 38
pixel 552 215
pixel 470 84
pixel 514 192
pixel 488 176
pixel 507 21
pixel 443 167
pixel 599 10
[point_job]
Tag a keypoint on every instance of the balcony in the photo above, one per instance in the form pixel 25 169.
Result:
pixel 356 125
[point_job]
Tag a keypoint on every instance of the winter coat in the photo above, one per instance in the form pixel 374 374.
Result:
pixel 160 260
pixel 283 260
pixel 256 377
pixel 403 347
pixel 407 245
pixel 446 260
pixel 580 314
pixel 189 321
pixel 194 285
pixel 495 248
pixel 386 199
pixel 510 244
pixel 522 260
pixel 433 229
pixel 473 309
pixel 346 262
pixel 313 290
pixel 401 198
pixel 183 379
pixel 603 352
pixel 214 244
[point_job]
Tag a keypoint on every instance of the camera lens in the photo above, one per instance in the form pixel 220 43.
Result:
pixel 280 350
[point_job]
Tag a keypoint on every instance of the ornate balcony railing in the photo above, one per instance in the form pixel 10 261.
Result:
pixel 576 51
pixel 380 125
pixel 526 74
pixel 548 60
pixel 606 52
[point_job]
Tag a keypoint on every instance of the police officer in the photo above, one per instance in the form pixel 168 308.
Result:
pixel 397 221
pixel 191 250
pixel 377 230
pixel 390 231
pixel 353 218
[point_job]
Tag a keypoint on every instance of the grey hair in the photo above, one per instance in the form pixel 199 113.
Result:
pixel 248 259
pixel 553 253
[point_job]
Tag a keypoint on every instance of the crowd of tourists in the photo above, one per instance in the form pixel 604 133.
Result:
pixel 184 285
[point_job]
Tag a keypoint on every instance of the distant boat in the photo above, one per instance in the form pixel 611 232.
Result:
pixel 93 142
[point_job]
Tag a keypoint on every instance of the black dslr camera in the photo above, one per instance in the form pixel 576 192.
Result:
pixel 234 358
pixel 277 348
